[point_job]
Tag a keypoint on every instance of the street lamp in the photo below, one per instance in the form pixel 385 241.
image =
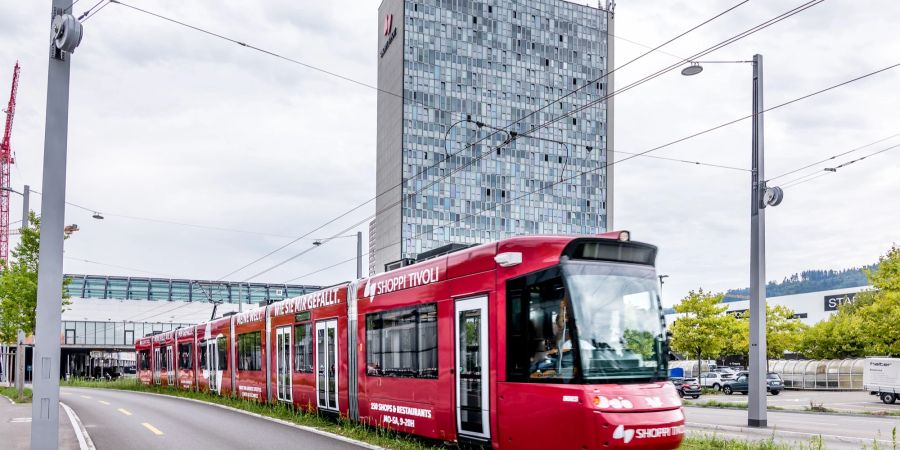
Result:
pixel 358 235
pixel 661 283
pixel 760 197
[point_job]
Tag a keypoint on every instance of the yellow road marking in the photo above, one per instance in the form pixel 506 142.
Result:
pixel 85 396
pixel 105 403
pixel 124 411
pixel 152 429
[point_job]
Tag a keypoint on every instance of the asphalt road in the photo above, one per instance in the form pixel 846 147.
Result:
pixel 842 401
pixel 838 431
pixel 116 419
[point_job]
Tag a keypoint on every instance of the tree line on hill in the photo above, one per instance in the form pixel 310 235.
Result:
pixel 866 327
pixel 810 281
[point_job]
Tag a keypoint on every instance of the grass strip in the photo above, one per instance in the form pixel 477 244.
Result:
pixel 13 394
pixel 714 442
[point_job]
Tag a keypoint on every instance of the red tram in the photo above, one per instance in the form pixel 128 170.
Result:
pixel 539 342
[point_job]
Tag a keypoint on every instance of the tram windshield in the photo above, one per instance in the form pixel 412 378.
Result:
pixel 617 320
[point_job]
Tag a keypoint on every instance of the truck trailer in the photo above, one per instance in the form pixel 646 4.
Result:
pixel 881 377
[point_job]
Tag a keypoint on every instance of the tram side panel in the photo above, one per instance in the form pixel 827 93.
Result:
pixel 163 360
pixel 250 362
pixel 308 353
pixel 185 348
pixel 404 377
pixel 143 347
pixel 214 358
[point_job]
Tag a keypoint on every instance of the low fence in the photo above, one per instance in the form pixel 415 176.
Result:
pixel 824 375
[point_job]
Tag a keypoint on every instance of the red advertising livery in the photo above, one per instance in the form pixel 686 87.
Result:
pixel 539 342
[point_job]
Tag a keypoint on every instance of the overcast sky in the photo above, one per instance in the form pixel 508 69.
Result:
pixel 172 125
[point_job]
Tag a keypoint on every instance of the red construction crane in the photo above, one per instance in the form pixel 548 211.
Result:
pixel 6 160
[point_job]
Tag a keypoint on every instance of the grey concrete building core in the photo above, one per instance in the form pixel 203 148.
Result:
pixel 455 63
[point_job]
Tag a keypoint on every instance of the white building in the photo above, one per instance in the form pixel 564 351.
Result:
pixel 810 308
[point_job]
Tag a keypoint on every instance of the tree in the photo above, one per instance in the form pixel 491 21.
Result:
pixel 783 333
pixel 867 326
pixel 703 328
pixel 18 285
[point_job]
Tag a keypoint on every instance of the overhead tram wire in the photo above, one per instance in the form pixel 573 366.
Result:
pixel 833 170
pixel 718 46
pixel 446 156
pixel 833 157
pixel 715 47
pixel 243 44
pixel 96 12
pixel 676 141
pixel 170 222
pixel 116 266
pixel 783 16
pixel 709 50
pixel 87 13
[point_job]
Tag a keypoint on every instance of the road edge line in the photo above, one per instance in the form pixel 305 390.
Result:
pixel 260 416
pixel 84 439
pixel 781 433
pixel 10 400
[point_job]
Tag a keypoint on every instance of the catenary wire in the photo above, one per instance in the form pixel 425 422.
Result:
pixel 708 130
pixel 720 45
pixel 170 222
pixel 87 12
pixel 833 157
pixel 834 169
pixel 446 155
pixel 235 41
pixel 709 50
pixel 809 178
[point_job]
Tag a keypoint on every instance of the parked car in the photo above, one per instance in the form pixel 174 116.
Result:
pixel 714 380
pixel 774 384
pixel 687 387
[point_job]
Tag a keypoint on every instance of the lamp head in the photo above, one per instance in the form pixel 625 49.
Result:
pixel 692 69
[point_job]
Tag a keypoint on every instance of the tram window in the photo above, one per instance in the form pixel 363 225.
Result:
pixel 144 359
pixel 250 351
pixel 402 343
pixel 203 354
pixel 539 329
pixel 222 347
pixel 303 351
pixel 184 355
pixel 163 361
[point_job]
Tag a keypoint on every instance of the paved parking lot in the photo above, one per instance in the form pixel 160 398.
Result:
pixel 846 401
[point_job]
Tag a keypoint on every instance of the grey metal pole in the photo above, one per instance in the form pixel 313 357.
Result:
pixel 26 193
pixel 756 401
pixel 359 255
pixel 20 338
pixel 45 360
pixel 20 363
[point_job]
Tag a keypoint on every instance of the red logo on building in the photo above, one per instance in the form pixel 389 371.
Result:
pixel 388 23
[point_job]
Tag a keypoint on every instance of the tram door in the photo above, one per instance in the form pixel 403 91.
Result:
pixel 283 363
pixel 212 364
pixel 157 361
pixel 170 365
pixel 472 389
pixel 327 355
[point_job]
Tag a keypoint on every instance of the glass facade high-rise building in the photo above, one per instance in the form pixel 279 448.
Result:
pixel 456 68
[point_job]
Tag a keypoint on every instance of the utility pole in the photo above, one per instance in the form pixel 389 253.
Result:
pixel 760 197
pixel 359 255
pixel 65 36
